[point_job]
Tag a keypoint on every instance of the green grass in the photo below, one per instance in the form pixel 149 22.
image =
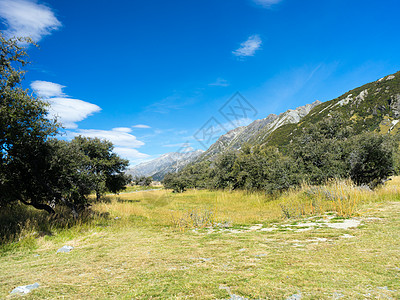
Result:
pixel 138 188
pixel 144 254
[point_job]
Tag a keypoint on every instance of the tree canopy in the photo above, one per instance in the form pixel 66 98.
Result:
pixel 36 168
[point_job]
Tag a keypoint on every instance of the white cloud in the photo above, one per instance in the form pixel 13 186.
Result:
pixel 68 111
pixel 141 126
pixel 47 89
pixel 132 154
pixel 124 142
pixel 249 47
pixel 267 3
pixel 220 82
pixel 117 137
pixel 122 129
pixel 25 18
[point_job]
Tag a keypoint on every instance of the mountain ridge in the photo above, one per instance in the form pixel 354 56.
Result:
pixel 374 106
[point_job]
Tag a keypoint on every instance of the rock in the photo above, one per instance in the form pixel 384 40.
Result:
pixel 390 77
pixel 295 297
pixel 350 223
pixel 256 227
pixel 395 105
pixel 337 295
pixel 65 249
pixel 261 255
pixel 202 259
pixel 25 289
pixel 237 297
pixel 347 236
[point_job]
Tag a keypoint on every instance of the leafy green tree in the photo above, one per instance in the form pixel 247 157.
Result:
pixel 105 168
pixel 176 182
pixel 371 159
pixel 143 180
pixel 222 171
pixel 24 131
pixel 265 169
pixel 320 152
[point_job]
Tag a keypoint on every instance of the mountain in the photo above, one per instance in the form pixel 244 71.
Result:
pixel 233 140
pixel 372 107
pixel 166 163
pixel 257 131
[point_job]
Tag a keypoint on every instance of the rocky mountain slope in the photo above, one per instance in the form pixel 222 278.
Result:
pixel 166 163
pixel 372 107
pixel 257 131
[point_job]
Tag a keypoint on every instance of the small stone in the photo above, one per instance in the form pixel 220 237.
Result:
pixel 390 77
pixel 261 255
pixel 205 259
pixel 269 229
pixel 347 236
pixel 337 295
pixel 295 297
pixel 65 249
pixel 237 297
pixel 117 218
pixel 25 289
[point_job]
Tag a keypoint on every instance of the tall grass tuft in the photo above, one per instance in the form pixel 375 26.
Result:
pixel 193 219
pixel 20 226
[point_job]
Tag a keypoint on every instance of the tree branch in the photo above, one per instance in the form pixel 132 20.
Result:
pixel 40 206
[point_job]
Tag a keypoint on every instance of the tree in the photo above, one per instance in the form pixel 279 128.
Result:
pixel 176 182
pixel 24 131
pixel 266 169
pixel 143 180
pixel 320 152
pixel 371 159
pixel 222 171
pixel 105 168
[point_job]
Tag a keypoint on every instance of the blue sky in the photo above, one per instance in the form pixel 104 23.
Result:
pixel 149 74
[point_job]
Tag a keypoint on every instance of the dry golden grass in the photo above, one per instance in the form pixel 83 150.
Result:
pixel 142 255
pixel 239 207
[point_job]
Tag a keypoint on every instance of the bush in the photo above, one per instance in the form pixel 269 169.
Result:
pixel 371 159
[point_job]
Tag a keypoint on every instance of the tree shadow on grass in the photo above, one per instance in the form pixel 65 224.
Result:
pixel 21 225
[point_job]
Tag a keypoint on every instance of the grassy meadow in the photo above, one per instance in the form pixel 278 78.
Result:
pixel 214 245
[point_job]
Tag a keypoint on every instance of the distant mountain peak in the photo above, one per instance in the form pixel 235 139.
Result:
pixel 257 130
pixel 168 162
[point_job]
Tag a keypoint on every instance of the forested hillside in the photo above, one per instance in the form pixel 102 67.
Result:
pixel 353 136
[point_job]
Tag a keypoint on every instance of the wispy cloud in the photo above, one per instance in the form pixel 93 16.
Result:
pixel 124 142
pixel 122 129
pixel 117 137
pixel 133 155
pixel 141 126
pixel 249 47
pixel 220 82
pixel 267 3
pixel 25 18
pixel 46 89
pixel 68 111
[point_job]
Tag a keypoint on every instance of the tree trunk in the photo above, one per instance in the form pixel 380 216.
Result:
pixel 40 206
